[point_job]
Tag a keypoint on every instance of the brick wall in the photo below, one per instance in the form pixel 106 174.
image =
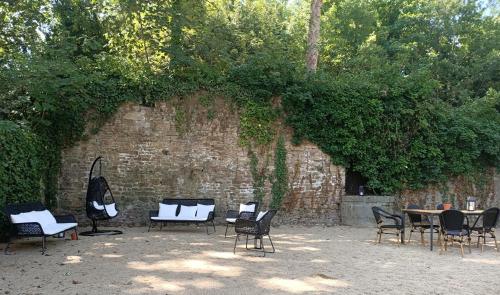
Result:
pixel 151 153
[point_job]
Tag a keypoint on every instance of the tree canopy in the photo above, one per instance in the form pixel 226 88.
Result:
pixel 406 91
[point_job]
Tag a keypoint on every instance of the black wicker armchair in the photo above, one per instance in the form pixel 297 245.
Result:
pixel 485 224
pixel 257 228
pixel 245 212
pixel 34 220
pixel 454 227
pixel 387 223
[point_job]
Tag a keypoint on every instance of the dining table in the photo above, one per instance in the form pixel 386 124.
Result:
pixel 431 213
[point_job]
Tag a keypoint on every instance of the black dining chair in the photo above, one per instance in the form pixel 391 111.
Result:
pixel 419 223
pixel 454 227
pixel 485 224
pixel 387 223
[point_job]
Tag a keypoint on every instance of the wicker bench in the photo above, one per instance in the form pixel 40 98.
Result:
pixel 34 220
pixel 184 211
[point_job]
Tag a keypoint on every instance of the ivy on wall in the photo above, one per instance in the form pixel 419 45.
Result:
pixel 280 175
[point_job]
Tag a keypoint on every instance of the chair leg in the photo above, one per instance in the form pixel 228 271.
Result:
pixel 484 242
pixel 269 236
pixel 149 228
pixel 409 238
pixel 161 225
pixel 227 225
pixel 445 243
pixel 495 238
pixel 478 240
pixel 44 241
pixel 469 240
pixel 379 236
pixel 213 224
pixel 235 241
pixel 461 242
pixel 246 243
pixel 422 237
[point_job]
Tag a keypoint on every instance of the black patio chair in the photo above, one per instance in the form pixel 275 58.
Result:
pixel 419 223
pixel 387 222
pixel 485 224
pixel 257 228
pixel 454 226
pixel 232 215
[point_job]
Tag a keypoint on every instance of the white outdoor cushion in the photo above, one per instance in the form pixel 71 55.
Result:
pixel 247 208
pixel 261 214
pixel 187 213
pixel 97 206
pixel 52 229
pixel 111 209
pixel 203 211
pixel 231 220
pixel 163 218
pixel 18 218
pixel 167 211
pixel 43 217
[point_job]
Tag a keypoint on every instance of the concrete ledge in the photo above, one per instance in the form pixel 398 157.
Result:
pixel 357 210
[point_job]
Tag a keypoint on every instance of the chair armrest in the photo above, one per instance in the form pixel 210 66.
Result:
pixel 29 229
pixel 211 215
pixel 232 214
pixel 153 213
pixel 68 218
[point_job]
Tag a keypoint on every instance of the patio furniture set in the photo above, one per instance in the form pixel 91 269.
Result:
pixel 454 225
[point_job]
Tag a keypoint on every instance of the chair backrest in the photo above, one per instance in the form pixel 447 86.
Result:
pixel 414 218
pixel 18 208
pixel 265 222
pixel 256 206
pixel 187 202
pixel 452 220
pixel 378 213
pixel 490 217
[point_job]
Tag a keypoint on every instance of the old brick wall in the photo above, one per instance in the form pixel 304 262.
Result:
pixel 178 149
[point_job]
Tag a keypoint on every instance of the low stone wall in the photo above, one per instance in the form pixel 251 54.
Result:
pixel 148 156
pixel 357 210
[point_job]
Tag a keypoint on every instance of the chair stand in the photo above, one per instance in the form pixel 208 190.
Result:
pixel 95 232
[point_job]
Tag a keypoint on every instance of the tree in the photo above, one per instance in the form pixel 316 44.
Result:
pixel 313 36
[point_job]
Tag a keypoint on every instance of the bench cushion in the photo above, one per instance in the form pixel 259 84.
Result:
pixel 187 213
pixel 52 229
pixel 167 211
pixel 203 211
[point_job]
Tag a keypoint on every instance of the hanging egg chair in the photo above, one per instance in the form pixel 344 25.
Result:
pixel 100 203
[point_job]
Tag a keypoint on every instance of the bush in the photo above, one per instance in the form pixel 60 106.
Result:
pixel 20 168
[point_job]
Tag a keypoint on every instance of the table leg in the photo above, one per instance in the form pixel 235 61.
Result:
pixel 432 230
pixel 403 230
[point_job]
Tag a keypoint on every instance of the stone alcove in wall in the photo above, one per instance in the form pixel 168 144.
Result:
pixel 150 154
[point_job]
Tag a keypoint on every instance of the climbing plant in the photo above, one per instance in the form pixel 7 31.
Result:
pixel 280 175
pixel 258 176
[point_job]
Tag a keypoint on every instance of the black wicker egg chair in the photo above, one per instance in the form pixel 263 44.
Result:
pixel 100 203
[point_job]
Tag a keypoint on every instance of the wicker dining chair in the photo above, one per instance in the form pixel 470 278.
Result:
pixel 485 224
pixel 419 223
pixel 387 223
pixel 454 227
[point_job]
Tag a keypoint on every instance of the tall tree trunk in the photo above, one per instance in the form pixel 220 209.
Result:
pixel 313 36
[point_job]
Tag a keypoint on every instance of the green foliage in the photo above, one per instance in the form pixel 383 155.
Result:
pixel 20 170
pixel 280 176
pixel 258 177
pixel 256 123
pixel 406 94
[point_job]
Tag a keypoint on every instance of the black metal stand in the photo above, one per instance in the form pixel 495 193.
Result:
pixel 95 232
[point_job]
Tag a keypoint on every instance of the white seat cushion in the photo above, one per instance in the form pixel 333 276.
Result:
pixel 261 214
pixel 97 206
pixel 111 209
pixel 164 218
pixel 203 211
pixel 247 208
pixel 52 229
pixel 167 211
pixel 187 213
pixel 231 220
pixel 43 217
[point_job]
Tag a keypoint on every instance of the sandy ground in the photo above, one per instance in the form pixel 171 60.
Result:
pixel 184 260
